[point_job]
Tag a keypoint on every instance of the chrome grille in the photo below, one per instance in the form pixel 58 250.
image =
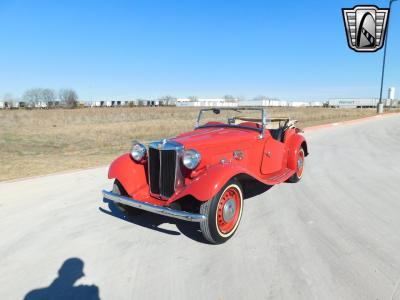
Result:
pixel 164 172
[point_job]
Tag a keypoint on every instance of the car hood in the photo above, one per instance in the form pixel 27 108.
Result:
pixel 216 136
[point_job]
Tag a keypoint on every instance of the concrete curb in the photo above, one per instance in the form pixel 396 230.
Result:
pixel 52 174
pixel 353 121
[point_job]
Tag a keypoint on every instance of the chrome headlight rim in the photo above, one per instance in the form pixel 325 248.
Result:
pixel 138 151
pixel 191 159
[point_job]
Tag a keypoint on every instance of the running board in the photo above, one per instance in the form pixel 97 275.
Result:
pixel 284 173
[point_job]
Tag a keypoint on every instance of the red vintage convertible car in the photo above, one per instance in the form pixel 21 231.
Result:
pixel 199 176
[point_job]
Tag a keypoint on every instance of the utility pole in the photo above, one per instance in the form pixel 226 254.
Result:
pixel 380 103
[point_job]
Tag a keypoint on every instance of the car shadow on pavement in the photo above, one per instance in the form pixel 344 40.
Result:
pixel 189 229
pixel 154 221
pixel 63 287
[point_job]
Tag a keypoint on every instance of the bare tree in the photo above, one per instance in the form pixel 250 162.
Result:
pixel 8 100
pixel 48 96
pixel 68 97
pixel 193 98
pixel 230 98
pixel 260 97
pixel 32 97
pixel 168 100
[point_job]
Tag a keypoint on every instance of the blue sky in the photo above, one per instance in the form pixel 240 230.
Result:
pixel 128 49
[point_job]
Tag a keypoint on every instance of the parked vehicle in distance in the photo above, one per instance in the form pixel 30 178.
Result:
pixel 199 176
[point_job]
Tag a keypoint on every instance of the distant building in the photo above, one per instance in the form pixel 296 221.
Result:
pixel 277 103
pixel 391 93
pixel 353 103
pixel 299 104
pixel 205 102
pixel 179 100
pixel 316 104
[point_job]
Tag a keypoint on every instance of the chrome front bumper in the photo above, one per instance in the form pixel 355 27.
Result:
pixel 165 211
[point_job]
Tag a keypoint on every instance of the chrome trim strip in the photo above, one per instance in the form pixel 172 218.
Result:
pixel 259 130
pixel 159 171
pixel 167 145
pixel 165 211
pixel 263 124
pixel 179 179
pixel 263 117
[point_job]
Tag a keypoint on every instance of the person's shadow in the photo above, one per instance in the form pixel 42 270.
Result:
pixel 63 288
pixel 189 229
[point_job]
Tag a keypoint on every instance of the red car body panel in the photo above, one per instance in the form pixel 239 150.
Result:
pixel 266 160
pixel 294 142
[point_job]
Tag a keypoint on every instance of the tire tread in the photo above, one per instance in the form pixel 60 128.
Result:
pixel 205 229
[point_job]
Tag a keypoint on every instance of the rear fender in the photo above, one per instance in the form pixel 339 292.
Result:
pixel 294 143
pixel 132 175
pixel 209 183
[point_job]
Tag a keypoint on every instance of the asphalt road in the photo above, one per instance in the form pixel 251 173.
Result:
pixel 334 235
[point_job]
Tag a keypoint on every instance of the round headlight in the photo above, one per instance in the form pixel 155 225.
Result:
pixel 138 151
pixel 191 159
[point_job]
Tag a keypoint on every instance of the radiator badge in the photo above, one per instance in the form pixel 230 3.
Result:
pixel 161 145
pixel 237 154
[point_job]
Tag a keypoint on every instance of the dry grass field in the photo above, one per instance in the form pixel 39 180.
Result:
pixel 45 141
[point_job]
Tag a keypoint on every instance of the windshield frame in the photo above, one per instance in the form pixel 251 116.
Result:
pixel 237 109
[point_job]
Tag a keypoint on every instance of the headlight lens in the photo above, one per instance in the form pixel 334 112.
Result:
pixel 138 151
pixel 191 159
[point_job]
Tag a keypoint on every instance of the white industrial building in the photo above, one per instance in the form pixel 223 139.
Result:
pixel 121 103
pixel 40 104
pixel 316 104
pixel 109 103
pixel 14 104
pixel 280 103
pixel 206 102
pixel 180 100
pixel 390 101
pixel 352 103
pixel 262 103
pixel 299 104
pixel 359 103
pixel 391 93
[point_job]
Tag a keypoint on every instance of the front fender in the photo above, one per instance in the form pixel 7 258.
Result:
pixel 294 143
pixel 132 175
pixel 209 183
